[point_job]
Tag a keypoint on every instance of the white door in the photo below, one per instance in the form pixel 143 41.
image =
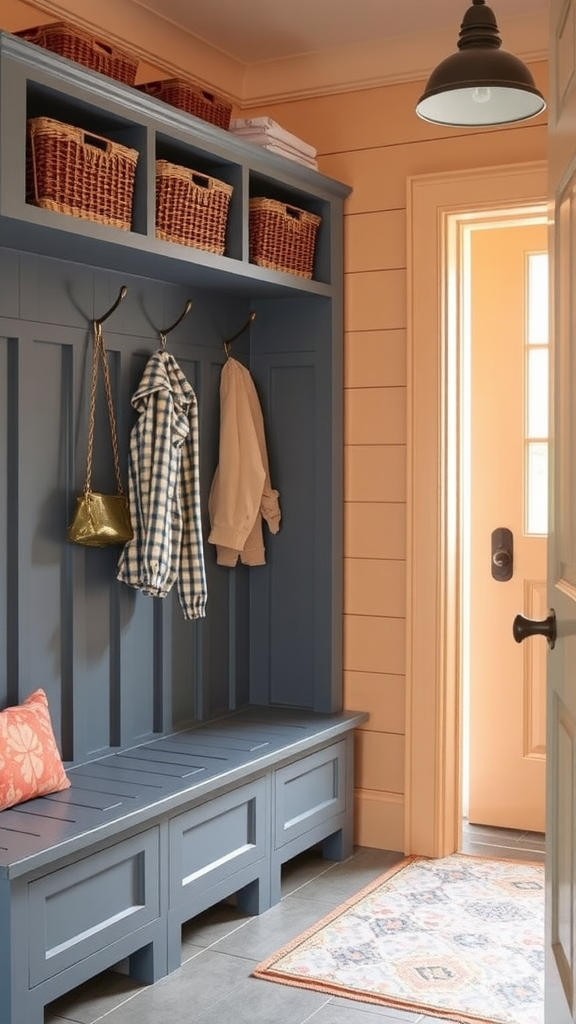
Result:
pixel 561 660
pixel 508 424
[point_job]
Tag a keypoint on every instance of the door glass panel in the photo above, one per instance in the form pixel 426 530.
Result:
pixel 538 298
pixel 537 406
pixel 537 403
pixel 537 503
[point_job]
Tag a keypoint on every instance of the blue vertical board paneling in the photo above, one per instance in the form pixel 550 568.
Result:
pixel 187 638
pixel 241 654
pixel 296 657
pixel 10 283
pixel 118 666
pixel 12 532
pixel 225 650
pixel 44 416
pixel 6 670
pixel 56 293
pixel 139 637
pixel 211 692
pixel 293 585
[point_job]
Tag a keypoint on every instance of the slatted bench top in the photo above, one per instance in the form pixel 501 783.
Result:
pixel 126 789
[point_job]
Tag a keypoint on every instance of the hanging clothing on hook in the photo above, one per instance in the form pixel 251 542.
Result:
pixel 164 489
pixel 241 496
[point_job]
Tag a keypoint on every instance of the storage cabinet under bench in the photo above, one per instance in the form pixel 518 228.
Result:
pixel 149 837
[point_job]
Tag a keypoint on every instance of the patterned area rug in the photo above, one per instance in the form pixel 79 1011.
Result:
pixel 460 938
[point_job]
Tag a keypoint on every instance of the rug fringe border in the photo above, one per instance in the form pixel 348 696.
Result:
pixel 265 972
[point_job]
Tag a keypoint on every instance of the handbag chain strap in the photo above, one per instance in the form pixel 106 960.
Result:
pixel 99 356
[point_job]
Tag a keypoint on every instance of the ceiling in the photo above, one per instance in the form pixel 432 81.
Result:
pixel 252 31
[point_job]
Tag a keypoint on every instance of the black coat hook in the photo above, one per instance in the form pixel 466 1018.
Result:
pixel 228 342
pixel 122 294
pixel 167 330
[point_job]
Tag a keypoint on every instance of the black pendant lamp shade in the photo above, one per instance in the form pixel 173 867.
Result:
pixel 481 84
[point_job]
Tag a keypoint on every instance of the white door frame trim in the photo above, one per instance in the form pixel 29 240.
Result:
pixel 437 206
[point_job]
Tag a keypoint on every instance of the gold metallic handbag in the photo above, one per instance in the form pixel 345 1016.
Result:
pixel 100 519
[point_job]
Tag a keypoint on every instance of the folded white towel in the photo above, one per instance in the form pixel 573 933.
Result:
pixel 244 126
pixel 291 155
pixel 274 146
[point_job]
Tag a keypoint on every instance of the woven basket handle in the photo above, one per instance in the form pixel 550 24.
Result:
pixel 104 47
pixel 294 212
pixel 202 180
pixel 99 357
pixel 97 142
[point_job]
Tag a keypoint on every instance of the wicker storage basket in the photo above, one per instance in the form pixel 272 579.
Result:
pixel 191 208
pixel 192 98
pixel 282 237
pixel 74 172
pixel 72 42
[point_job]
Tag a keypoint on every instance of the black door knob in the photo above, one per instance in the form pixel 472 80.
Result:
pixel 522 627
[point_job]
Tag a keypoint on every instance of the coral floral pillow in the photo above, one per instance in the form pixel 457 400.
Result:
pixel 30 763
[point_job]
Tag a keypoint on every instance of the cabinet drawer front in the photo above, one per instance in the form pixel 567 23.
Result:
pixel 79 909
pixel 309 792
pixel 210 842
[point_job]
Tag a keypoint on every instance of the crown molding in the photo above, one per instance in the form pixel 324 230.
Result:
pixel 346 69
pixel 155 41
pixel 380 63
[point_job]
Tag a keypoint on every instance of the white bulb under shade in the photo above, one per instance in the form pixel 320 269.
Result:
pixel 480 84
pixel 464 107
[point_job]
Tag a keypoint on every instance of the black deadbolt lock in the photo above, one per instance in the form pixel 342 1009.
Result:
pixel 502 554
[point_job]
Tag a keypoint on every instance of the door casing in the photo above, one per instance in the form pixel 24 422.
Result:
pixel 437 207
pixel 503 683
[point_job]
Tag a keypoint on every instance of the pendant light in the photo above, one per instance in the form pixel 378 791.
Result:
pixel 480 84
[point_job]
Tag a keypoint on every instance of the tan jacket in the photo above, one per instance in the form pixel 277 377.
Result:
pixel 241 494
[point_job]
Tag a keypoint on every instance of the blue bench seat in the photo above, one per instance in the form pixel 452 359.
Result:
pixel 148 837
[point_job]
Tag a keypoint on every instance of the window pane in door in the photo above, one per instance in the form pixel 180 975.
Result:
pixel 537 477
pixel 538 298
pixel 537 405
pixel 537 402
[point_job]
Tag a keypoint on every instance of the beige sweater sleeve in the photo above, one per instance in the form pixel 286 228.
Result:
pixel 238 484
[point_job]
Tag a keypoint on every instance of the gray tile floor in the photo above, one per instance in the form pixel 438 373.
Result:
pixel 502 842
pixel 220 948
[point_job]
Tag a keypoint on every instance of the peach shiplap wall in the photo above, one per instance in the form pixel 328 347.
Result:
pixel 372 140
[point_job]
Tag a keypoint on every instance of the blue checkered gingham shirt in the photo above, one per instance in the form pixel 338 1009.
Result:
pixel 164 489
